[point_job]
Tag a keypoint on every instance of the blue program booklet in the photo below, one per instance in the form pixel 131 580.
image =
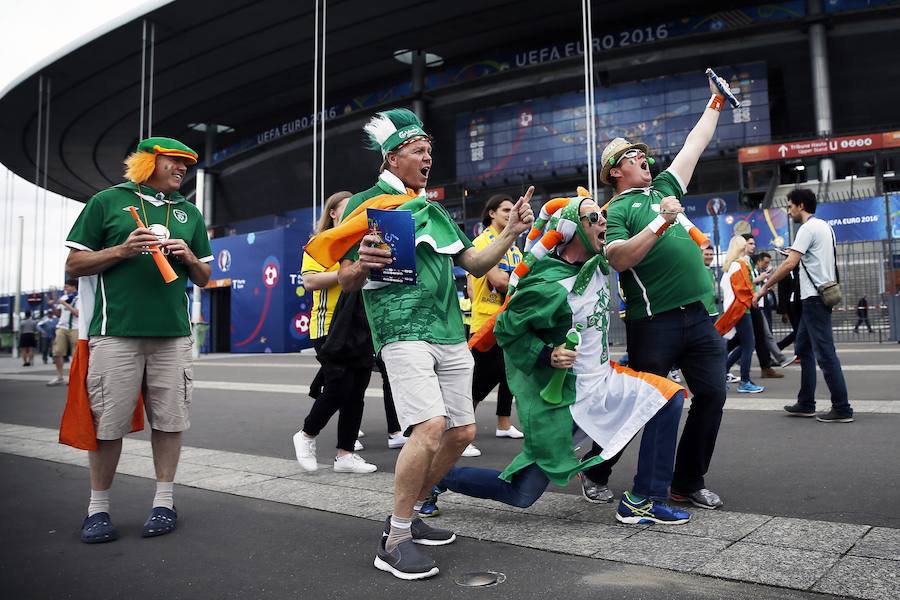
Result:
pixel 397 232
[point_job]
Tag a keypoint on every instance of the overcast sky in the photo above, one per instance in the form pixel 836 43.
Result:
pixel 30 33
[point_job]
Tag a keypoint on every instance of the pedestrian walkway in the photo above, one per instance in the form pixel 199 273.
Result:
pixel 857 561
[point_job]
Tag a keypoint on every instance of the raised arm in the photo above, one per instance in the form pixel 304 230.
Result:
pixel 479 262
pixel 699 137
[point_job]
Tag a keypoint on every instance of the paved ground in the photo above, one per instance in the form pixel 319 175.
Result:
pixel 809 505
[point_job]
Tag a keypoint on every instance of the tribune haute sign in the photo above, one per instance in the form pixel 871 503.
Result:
pixel 818 147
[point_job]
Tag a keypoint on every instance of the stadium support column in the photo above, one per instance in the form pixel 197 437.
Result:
pixel 418 83
pixel 208 177
pixel 17 301
pixel 818 55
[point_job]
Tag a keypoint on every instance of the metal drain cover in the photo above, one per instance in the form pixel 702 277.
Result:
pixel 480 579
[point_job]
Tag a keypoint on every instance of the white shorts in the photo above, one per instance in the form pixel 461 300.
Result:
pixel 430 380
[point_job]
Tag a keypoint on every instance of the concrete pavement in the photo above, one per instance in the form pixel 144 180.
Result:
pixel 810 506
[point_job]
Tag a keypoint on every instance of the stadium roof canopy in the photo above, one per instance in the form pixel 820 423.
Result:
pixel 245 63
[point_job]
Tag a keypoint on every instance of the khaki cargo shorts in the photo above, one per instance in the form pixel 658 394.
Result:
pixel 121 367
pixel 430 380
pixel 65 341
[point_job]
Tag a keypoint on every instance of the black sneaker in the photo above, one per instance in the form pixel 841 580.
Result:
pixel 595 493
pixel 424 534
pixel 833 417
pixel 405 562
pixel 798 410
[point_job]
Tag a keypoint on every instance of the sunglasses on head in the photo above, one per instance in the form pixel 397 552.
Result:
pixel 593 217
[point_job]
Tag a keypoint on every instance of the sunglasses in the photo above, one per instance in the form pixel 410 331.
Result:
pixel 632 153
pixel 593 218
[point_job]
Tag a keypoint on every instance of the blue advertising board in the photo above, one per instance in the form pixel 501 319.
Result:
pixel 769 226
pixel 542 135
pixel 270 308
pixel 859 220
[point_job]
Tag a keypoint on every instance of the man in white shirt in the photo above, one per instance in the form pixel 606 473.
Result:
pixel 814 250
pixel 66 330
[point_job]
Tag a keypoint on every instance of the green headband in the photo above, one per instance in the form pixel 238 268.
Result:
pixel 401 136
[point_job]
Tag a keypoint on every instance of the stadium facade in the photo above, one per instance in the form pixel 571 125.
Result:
pixel 501 87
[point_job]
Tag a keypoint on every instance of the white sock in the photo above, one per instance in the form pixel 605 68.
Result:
pixel 99 502
pixel 165 495
pixel 418 506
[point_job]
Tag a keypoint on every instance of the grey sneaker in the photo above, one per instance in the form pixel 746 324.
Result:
pixel 405 562
pixel 703 498
pixel 594 492
pixel 834 417
pixel 425 534
pixel 798 410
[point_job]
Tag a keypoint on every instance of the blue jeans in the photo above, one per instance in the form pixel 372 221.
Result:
pixel 525 488
pixel 744 351
pixel 656 462
pixel 814 342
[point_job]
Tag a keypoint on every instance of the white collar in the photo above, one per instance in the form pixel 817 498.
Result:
pixel 154 200
pixel 394 181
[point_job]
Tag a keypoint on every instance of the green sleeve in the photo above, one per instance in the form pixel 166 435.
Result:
pixel 668 184
pixel 536 316
pixel 617 221
pixel 87 232
pixel 200 245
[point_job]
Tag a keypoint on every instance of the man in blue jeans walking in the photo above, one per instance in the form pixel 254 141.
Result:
pixel 814 250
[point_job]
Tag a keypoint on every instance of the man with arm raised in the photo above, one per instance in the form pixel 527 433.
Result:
pixel 665 283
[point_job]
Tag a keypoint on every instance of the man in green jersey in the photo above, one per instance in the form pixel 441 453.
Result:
pixel 711 299
pixel 139 328
pixel 665 284
pixel 419 331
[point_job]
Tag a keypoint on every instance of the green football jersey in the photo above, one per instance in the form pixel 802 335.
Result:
pixel 672 274
pixel 132 300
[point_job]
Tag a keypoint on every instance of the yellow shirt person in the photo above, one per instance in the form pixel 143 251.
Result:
pixel 486 300
pixel 324 299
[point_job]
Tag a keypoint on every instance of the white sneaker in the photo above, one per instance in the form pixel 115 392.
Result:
pixel 512 432
pixel 306 451
pixel 731 378
pixel 353 463
pixel 56 381
pixel 358 446
pixel 397 440
pixel 361 434
pixel 471 451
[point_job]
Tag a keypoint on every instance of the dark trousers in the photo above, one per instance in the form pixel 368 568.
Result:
pixel 860 321
pixel 815 344
pixel 390 412
pixel 490 372
pixel 793 312
pixel 46 345
pixel 337 388
pixel 744 339
pixel 688 338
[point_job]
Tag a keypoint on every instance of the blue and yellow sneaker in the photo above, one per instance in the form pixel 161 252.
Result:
pixel 429 507
pixel 635 510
